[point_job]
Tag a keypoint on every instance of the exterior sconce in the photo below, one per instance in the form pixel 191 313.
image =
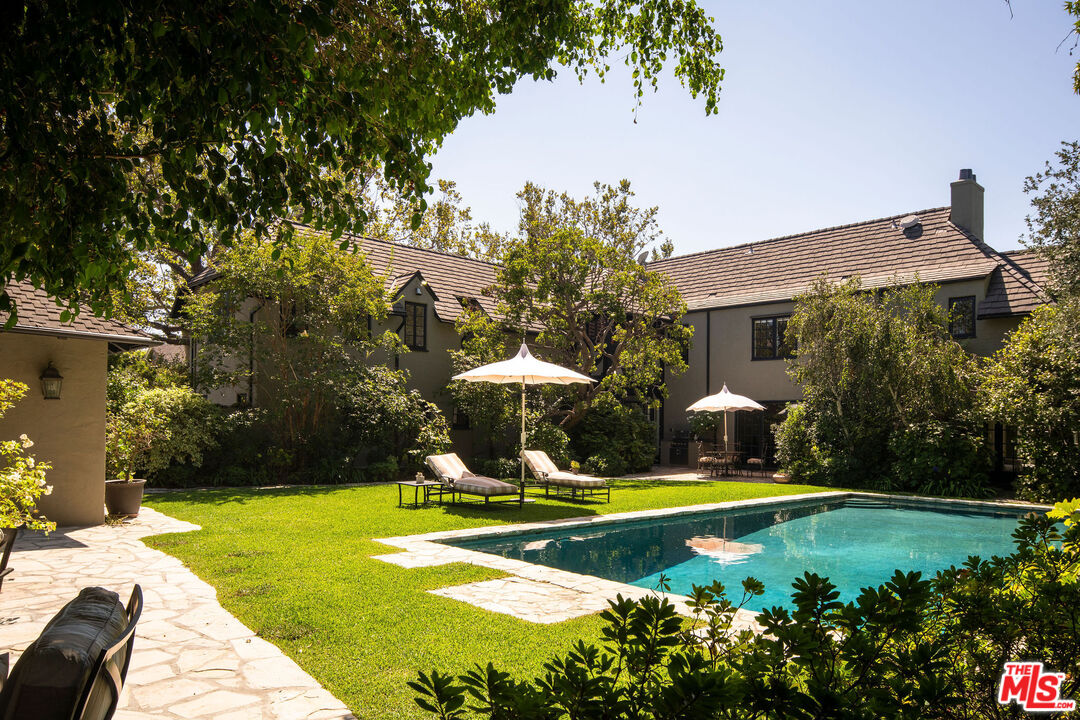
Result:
pixel 51 380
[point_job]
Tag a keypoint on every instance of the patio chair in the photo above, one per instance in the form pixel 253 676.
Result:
pixel 548 474
pixel 76 668
pixel 6 543
pixel 457 481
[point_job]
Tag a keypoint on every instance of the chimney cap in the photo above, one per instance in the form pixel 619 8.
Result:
pixel 967 174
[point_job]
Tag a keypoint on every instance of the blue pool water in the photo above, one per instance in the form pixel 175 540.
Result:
pixel 854 542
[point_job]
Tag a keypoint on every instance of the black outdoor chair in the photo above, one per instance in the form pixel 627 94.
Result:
pixel 63 674
pixel 6 544
pixel 98 700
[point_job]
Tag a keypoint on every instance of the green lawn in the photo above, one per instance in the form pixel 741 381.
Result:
pixel 294 565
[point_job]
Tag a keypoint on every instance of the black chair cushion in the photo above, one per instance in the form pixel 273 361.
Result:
pixel 48 678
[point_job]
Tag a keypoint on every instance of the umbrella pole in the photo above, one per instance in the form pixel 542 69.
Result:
pixel 523 434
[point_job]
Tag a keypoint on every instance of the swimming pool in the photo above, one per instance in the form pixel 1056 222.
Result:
pixel 854 541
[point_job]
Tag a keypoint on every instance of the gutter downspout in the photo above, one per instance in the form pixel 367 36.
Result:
pixel 251 359
pixel 708 351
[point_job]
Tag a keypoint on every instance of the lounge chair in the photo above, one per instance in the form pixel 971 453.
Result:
pixel 549 475
pixel 457 480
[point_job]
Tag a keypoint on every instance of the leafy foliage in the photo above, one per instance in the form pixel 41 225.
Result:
pixel 1055 227
pixel 154 419
pixel 876 369
pixel 910 648
pixel 614 439
pixel 128 127
pixel 378 413
pixel 297 317
pixel 493 409
pixel 573 275
pixel 940 458
pixel 445 225
pixel 22 477
pixel 1033 383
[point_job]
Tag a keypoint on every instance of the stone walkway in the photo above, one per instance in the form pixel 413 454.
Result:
pixel 192 659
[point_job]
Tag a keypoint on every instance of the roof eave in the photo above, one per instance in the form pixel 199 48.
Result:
pixel 125 340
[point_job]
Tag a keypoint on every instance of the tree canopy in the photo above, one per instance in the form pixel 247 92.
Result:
pixel 1054 228
pixel 574 275
pixel 126 125
pixel 886 391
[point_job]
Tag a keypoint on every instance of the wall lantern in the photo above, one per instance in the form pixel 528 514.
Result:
pixel 50 383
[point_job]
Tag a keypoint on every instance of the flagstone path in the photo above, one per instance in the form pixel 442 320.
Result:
pixel 192 658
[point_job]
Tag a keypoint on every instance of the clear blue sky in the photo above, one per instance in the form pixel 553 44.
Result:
pixel 830 113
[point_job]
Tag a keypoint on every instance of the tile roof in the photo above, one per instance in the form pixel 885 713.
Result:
pixel 449 277
pixel 1016 286
pixel 39 313
pixel 879 251
pixel 775 270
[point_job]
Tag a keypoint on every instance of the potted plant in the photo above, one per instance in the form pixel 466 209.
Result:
pixel 575 467
pixel 129 436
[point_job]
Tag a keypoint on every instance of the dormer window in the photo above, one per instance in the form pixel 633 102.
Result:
pixel 415 326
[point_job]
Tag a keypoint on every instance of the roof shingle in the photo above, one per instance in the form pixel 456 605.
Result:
pixel 450 277
pixel 39 313
pixel 1016 286
pixel 879 251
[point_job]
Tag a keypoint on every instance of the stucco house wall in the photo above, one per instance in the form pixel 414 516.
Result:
pixel 722 343
pixel 69 433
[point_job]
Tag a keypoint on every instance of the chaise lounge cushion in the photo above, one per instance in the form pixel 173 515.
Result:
pixel 544 470
pixel 49 677
pixel 452 471
pixel 566 479
pixel 479 485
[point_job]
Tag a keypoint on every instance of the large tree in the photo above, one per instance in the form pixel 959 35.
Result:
pixel 289 324
pixel 888 395
pixel 576 276
pixel 129 125
pixel 1054 228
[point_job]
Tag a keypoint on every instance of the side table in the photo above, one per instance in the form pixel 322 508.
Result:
pixel 415 485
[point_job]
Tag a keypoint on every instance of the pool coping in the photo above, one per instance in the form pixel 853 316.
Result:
pixel 542 594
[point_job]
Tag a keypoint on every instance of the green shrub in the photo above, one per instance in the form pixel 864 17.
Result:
pixel 383 471
pixel 935 458
pixel 22 477
pixel 613 430
pixel 1033 384
pixel 502 468
pixel 381 418
pixel 605 464
pixel 795 451
pixel 910 648
pixel 158 428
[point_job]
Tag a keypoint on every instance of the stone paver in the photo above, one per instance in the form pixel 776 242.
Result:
pixel 541 594
pixel 192 659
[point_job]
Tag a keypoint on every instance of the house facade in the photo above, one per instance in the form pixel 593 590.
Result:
pixel 739 299
pixel 68 431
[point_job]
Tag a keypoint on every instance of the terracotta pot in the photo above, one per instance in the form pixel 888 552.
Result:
pixel 124 498
pixel 780 478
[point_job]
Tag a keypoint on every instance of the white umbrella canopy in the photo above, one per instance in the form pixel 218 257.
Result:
pixel 525 369
pixel 724 401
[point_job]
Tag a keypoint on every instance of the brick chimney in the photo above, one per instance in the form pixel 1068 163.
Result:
pixel 967 203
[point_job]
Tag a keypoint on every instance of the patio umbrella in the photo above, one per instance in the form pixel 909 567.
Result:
pixel 525 369
pixel 724 401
